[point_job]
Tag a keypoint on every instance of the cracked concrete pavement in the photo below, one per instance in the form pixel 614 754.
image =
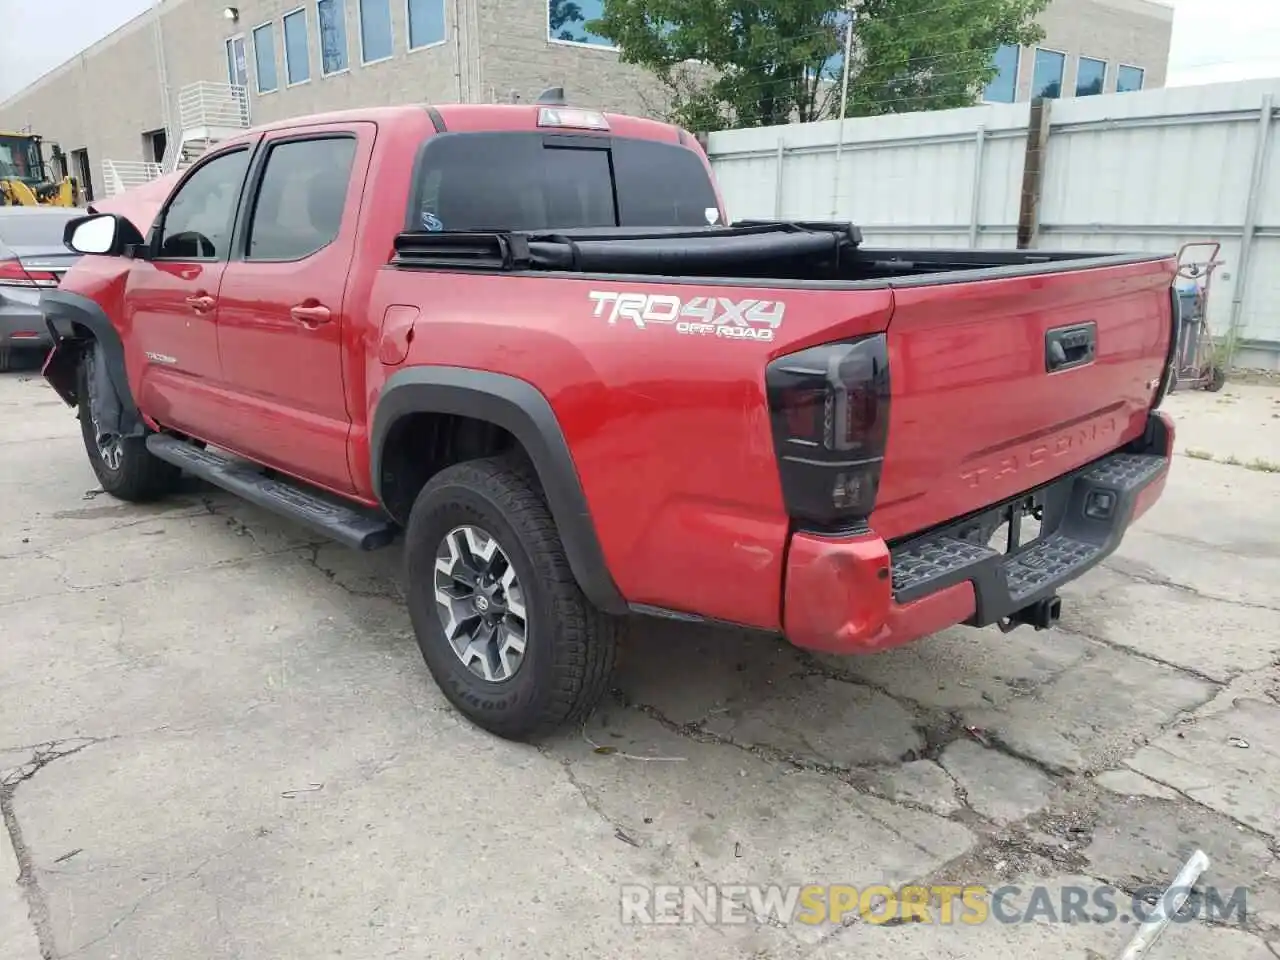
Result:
pixel 217 739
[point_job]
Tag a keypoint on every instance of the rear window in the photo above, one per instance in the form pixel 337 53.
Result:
pixel 34 229
pixel 541 181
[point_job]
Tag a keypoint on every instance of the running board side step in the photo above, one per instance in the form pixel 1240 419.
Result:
pixel 363 530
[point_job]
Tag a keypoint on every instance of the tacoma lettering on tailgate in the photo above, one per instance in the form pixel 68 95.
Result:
pixel 1039 452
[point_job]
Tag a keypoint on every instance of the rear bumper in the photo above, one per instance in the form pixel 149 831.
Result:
pixel 858 594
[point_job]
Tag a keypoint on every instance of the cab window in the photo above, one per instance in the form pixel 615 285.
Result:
pixel 538 181
pixel 197 223
pixel 298 209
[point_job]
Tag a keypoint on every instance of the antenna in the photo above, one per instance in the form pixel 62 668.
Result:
pixel 552 97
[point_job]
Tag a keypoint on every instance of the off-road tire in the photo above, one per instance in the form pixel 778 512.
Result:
pixel 140 476
pixel 6 355
pixel 570 645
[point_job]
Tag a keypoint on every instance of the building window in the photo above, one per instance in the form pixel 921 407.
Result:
pixel 426 23
pixel 567 21
pixel 237 65
pixel 264 57
pixel 1046 80
pixel 1091 76
pixel 332 15
pixel 297 60
pixel 375 30
pixel 1128 79
pixel 1003 87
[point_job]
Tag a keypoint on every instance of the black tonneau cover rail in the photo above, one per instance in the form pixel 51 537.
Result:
pixel 743 248
pixel 783 253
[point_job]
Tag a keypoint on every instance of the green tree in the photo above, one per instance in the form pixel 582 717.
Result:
pixel 760 62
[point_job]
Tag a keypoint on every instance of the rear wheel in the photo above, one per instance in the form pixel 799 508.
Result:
pixel 6 355
pixel 123 465
pixel 1217 379
pixel 503 625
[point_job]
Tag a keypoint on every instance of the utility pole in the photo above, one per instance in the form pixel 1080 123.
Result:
pixel 844 102
pixel 162 78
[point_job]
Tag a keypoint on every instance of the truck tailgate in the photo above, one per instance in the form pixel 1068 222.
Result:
pixel 1000 385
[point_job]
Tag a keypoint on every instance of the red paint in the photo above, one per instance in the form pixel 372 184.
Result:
pixel 838 598
pixel 975 419
pixel 397 333
pixel 669 434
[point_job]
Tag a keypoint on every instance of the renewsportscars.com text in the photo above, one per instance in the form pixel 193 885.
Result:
pixel 816 904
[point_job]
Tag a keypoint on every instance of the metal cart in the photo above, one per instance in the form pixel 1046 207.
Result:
pixel 1195 358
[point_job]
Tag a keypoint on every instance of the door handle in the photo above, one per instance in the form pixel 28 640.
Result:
pixel 1067 347
pixel 310 314
pixel 201 303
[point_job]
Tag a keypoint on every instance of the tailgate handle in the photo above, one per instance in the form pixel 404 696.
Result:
pixel 1067 347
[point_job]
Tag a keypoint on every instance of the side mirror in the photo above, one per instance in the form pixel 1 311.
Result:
pixel 104 234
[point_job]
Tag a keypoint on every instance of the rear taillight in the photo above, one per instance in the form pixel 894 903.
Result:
pixel 830 411
pixel 13 274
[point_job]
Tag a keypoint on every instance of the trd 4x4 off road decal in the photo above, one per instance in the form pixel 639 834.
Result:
pixel 699 316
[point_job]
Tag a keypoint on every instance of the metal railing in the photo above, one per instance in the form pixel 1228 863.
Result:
pixel 221 105
pixel 119 175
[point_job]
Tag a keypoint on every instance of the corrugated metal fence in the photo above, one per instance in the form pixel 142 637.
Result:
pixel 1124 172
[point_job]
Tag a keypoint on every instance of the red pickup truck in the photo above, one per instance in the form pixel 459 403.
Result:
pixel 527 337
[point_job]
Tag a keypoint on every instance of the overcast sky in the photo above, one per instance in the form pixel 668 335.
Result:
pixel 1213 40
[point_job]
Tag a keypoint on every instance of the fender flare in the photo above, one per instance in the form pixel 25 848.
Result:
pixel 521 410
pixel 63 312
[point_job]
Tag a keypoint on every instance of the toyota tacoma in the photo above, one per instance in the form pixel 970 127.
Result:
pixel 527 338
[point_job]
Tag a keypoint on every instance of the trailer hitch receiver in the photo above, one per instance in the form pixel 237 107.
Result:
pixel 1042 615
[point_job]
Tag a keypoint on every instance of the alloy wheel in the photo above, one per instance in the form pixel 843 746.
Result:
pixel 480 603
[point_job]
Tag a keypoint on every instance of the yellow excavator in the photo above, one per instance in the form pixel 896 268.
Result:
pixel 24 179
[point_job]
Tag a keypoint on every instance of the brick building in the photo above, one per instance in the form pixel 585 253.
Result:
pixel 115 107
pixel 1089 47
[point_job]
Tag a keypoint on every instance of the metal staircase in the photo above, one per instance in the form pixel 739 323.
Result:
pixel 119 175
pixel 207 114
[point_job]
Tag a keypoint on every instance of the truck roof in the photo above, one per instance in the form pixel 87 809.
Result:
pixel 480 117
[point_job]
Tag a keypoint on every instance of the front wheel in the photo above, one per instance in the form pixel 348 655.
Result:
pixel 503 625
pixel 123 465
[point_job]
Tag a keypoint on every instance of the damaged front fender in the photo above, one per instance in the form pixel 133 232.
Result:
pixel 60 370
pixel 78 324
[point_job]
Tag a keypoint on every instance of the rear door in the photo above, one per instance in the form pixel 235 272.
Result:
pixel 281 310
pixel 170 322
pixel 1001 385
